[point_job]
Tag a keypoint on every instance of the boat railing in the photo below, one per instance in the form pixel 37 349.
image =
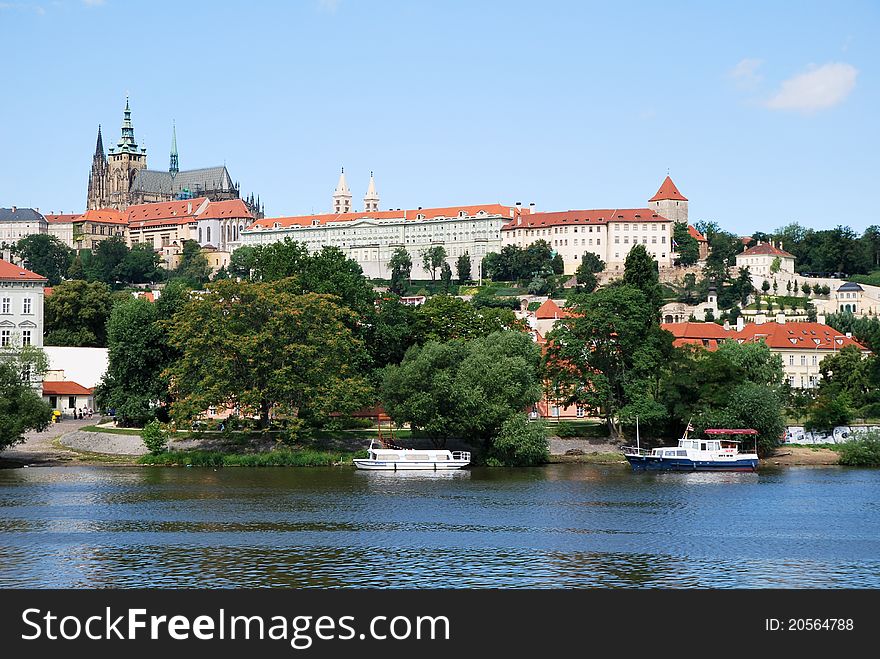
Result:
pixel 636 450
pixel 461 455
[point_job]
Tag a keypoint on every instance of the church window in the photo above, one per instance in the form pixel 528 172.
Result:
pixel 208 234
pixel 200 235
pixel 26 306
pixel 598 241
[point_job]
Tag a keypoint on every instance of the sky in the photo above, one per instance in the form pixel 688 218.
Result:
pixel 763 113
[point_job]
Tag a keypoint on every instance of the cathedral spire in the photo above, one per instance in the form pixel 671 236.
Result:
pixel 174 168
pixel 99 146
pixel 371 199
pixel 127 144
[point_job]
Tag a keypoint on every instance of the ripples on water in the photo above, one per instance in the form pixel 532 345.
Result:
pixel 559 526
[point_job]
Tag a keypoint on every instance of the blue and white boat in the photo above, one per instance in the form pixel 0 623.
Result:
pixel 716 452
pixel 387 457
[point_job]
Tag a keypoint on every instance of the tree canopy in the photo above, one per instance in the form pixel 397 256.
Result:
pixel 45 255
pixel 76 314
pixel 21 408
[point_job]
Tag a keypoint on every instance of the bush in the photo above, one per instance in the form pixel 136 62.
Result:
pixel 566 429
pixel 861 452
pixel 155 437
pixel 277 458
pixel 519 444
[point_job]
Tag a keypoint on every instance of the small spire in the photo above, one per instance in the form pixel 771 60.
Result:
pixel 99 146
pixel 174 167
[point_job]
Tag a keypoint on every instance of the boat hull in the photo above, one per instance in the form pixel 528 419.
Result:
pixel 654 463
pixel 382 465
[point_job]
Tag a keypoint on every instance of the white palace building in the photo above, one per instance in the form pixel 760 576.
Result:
pixel 371 236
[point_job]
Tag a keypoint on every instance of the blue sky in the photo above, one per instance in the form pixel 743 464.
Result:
pixel 763 113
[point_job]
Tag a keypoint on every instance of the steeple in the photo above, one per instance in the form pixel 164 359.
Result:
pixel 174 168
pixel 669 202
pixel 371 199
pixel 668 191
pixel 126 143
pixel 342 196
pixel 99 147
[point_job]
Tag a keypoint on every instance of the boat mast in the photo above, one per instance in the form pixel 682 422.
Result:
pixel 637 431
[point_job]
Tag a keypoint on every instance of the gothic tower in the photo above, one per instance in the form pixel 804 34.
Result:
pixel 126 159
pixel 98 178
pixel 669 202
pixel 342 196
pixel 371 199
pixel 175 166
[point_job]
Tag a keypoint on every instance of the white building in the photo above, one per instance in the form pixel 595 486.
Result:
pixel 370 237
pixel 17 223
pixel 21 306
pixel 765 258
pixel 608 233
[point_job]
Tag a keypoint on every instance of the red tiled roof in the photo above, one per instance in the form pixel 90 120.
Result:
pixel 550 310
pixel 47 291
pixel 696 234
pixel 166 210
pixel 10 272
pixel 668 191
pixel 105 216
pixel 65 388
pixel 406 214
pixel 220 210
pixel 63 218
pixel 697 330
pixel 794 336
pixel 594 216
pixel 766 248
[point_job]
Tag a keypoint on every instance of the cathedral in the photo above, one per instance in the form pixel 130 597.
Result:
pixel 120 177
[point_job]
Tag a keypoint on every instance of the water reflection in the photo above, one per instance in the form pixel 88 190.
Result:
pixel 565 525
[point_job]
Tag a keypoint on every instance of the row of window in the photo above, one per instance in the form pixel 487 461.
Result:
pixel 636 240
pixel 6 338
pixel 803 360
pixel 26 305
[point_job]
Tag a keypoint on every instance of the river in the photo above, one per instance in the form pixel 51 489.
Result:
pixel 571 525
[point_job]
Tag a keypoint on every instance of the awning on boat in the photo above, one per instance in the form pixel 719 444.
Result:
pixel 731 431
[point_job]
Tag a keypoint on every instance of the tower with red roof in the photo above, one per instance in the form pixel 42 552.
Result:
pixel 669 202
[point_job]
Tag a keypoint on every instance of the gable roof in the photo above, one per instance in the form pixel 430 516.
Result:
pixel 766 249
pixel 793 336
pixel 11 272
pixel 64 388
pixel 177 211
pixel 668 191
pixel 575 217
pixel 221 210
pixel 16 214
pixel 705 335
pixel 549 310
pixel 850 286
pixel 696 234
pixel 62 218
pixel 196 181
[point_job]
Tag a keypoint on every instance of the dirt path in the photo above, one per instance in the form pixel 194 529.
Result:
pixel 42 449
pixel 789 455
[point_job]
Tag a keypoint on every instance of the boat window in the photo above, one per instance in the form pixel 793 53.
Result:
pixel 391 457
pixel 702 446
pixel 416 456
pixel 441 456
pixel 681 454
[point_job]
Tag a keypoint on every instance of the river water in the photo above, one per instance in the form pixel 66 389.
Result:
pixel 566 525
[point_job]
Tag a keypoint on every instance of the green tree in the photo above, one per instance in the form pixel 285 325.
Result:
pixel 587 270
pixel 267 352
pixel 400 264
pixel 444 317
pixel 21 408
pixel 807 289
pixel 446 276
pixel 133 387
pixel 520 443
pixel 45 255
pixel 193 266
pixel 463 268
pixel 141 265
pixel 76 314
pixel 765 286
pixel 686 246
pixel 609 354
pixel 775 266
pixel 242 261
pixel 394 331
pixel 465 389
pixel 103 263
pixel 433 258
pixel 155 437
pixel 640 271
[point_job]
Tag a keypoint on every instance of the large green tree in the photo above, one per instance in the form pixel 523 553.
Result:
pixel 140 266
pixel 586 272
pixel 464 389
pixel 686 246
pixel 76 314
pixel 21 408
pixel 641 272
pixel 45 255
pixel 267 351
pixel 193 267
pixel 463 268
pixel 444 317
pixel 432 259
pixel 102 264
pixel 400 264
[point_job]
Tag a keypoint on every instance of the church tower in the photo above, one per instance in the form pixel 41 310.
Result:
pixel 371 199
pixel 126 159
pixel 175 166
pixel 342 196
pixel 669 202
pixel 98 178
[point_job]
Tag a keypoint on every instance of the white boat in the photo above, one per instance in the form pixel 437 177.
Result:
pixel 717 452
pixel 395 458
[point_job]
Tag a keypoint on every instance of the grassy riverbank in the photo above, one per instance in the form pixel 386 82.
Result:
pixel 276 458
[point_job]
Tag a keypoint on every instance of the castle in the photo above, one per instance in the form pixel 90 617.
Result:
pixel 120 177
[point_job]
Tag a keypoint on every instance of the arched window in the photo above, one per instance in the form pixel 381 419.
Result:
pixel 200 235
pixel 208 234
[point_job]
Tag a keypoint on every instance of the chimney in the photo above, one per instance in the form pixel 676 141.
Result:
pixel 13 209
pixel 820 319
pixel 740 324
pixel 780 318
pixel 532 208
pixel 189 208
